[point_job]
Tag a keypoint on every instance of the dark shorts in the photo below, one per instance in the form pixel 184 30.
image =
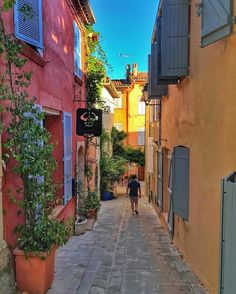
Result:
pixel 133 199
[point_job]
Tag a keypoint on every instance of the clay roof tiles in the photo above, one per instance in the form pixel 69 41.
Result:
pixel 124 83
pixel 121 83
pixel 140 76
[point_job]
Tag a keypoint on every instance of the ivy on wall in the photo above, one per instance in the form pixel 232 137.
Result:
pixel 96 69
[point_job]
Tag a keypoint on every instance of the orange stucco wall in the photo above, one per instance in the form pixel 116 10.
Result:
pixel 200 113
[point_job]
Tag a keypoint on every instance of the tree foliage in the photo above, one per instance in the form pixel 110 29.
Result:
pixel 129 153
pixel 118 138
pixel 135 155
pixel 112 167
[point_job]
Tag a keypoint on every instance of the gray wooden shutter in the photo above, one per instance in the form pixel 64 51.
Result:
pixel 216 22
pixel 228 236
pixel 175 38
pixel 181 181
pixel 161 80
pixel 156 90
pixel 28 25
pixel 67 138
pixel 170 188
pixel 160 178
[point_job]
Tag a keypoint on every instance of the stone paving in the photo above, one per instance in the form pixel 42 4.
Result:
pixel 124 254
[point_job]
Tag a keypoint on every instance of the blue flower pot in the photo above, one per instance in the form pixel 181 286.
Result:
pixel 107 195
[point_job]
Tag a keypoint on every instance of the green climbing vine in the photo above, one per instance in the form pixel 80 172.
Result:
pixel 96 69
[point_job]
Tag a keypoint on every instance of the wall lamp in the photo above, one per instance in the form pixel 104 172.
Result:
pixel 145 94
pixel 145 97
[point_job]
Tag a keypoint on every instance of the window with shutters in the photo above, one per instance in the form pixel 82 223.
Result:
pixel 28 22
pixel 155 89
pixel 67 138
pixel 180 188
pixel 216 20
pixel 77 51
pixel 170 194
pixel 160 177
pixel 141 136
pixel 141 106
pixel 171 46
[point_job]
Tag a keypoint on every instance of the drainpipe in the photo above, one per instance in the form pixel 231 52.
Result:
pixel 160 124
pixel 127 115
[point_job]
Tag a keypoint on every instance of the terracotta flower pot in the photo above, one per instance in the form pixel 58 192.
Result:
pixel 34 274
pixel 92 213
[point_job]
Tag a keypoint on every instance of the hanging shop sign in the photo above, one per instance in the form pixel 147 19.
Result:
pixel 89 122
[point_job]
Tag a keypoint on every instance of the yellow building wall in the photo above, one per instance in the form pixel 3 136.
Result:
pixel 200 113
pixel 135 120
pixel 128 114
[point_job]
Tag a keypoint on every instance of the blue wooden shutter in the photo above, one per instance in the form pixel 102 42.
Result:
pixel 228 236
pixel 174 38
pixel 181 181
pixel 77 51
pixel 67 138
pixel 216 22
pixel 33 119
pixel 29 27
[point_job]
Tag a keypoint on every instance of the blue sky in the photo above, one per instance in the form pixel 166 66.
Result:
pixel 126 28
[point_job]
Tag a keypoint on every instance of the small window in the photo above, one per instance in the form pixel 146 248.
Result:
pixel 141 107
pixel 77 51
pixel 118 102
pixel 141 136
pixel 118 126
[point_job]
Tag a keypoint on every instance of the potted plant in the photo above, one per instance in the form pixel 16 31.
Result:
pixel 92 204
pixel 81 222
pixel 111 170
pixel 40 234
pixel 27 147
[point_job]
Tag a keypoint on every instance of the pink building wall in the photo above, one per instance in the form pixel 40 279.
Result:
pixel 54 85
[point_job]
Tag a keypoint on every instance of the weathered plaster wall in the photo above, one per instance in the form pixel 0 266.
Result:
pixel 200 113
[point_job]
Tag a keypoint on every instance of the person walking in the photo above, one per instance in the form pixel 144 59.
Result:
pixel 134 191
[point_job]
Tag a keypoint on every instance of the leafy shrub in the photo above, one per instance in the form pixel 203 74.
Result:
pixel 92 201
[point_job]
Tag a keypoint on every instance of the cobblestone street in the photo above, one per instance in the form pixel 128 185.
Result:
pixel 123 254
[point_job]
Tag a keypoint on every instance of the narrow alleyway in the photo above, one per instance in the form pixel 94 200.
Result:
pixel 123 254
